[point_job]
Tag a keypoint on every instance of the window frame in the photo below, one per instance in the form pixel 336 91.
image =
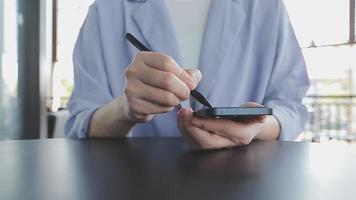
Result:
pixel 352 31
pixel 33 48
pixel 1 39
pixel 352 22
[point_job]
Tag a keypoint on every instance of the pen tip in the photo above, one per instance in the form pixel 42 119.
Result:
pixel 127 35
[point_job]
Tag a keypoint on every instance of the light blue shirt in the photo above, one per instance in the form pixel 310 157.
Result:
pixel 249 54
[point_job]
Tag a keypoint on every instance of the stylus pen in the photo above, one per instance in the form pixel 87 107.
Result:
pixel 194 93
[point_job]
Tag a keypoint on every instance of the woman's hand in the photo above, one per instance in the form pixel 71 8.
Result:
pixel 221 133
pixel 155 84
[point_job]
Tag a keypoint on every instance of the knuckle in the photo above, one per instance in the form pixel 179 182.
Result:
pixel 139 55
pixel 128 90
pixel 134 104
pixel 127 93
pixel 167 80
pixel 167 62
pixel 171 99
pixel 129 72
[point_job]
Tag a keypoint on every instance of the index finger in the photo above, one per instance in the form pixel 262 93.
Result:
pixel 165 63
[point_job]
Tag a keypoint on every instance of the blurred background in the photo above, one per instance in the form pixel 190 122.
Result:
pixel 36 73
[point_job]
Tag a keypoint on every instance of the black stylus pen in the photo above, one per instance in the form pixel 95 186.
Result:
pixel 194 93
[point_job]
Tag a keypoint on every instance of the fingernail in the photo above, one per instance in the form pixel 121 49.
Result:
pixel 197 77
pixel 185 116
pixel 182 115
pixel 179 115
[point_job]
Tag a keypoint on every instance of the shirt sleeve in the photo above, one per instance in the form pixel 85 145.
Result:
pixel 91 88
pixel 289 81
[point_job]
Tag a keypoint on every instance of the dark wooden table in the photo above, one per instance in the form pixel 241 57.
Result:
pixel 168 169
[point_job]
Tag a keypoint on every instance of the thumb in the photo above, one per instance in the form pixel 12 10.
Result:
pixel 195 74
pixel 258 119
pixel 251 105
pixel 185 115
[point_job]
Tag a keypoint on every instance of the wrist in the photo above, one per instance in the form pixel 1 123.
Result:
pixel 258 129
pixel 110 121
pixel 269 129
pixel 123 111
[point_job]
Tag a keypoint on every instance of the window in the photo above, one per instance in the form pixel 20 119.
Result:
pixel 22 56
pixel 70 16
pixel 320 22
pixel 326 32
pixel 10 108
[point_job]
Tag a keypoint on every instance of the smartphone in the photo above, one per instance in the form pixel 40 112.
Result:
pixel 234 113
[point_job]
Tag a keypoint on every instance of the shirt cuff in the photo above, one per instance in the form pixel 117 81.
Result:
pixel 79 126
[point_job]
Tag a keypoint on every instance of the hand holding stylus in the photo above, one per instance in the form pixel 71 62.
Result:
pixel 156 84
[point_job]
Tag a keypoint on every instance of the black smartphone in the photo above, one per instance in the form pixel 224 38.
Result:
pixel 234 113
